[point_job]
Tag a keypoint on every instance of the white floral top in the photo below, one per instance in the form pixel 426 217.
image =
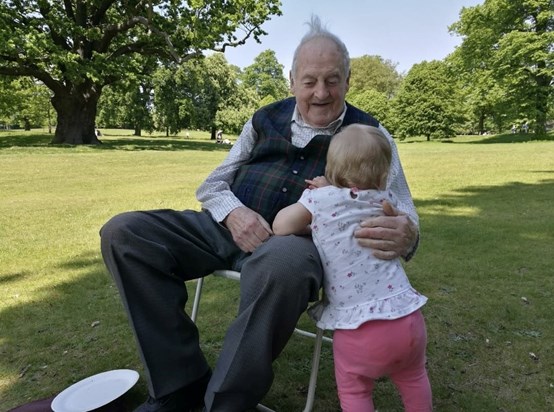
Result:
pixel 358 286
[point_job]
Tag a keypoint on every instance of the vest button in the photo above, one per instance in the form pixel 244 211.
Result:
pixel 301 157
pixel 284 190
pixel 295 172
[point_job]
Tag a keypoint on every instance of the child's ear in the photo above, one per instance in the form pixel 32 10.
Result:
pixel 383 183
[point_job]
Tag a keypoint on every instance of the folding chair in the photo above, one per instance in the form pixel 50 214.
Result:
pixel 318 336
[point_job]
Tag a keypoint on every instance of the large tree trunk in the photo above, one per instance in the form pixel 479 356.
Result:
pixel 76 117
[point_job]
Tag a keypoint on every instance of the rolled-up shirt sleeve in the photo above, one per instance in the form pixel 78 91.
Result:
pixel 215 193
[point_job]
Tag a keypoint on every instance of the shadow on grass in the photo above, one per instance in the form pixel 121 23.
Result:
pixel 492 245
pixel 131 143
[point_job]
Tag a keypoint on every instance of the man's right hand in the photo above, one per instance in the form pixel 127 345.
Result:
pixel 248 228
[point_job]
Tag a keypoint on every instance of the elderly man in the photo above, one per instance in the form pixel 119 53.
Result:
pixel 151 254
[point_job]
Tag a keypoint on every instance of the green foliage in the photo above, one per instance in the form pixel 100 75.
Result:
pixel 127 103
pixel 425 104
pixel 238 109
pixel 209 93
pixel 373 82
pixel 512 40
pixel 207 85
pixel 374 73
pixel 171 109
pixel 265 76
pixel 77 47
pixel 375 103
pixel 24 103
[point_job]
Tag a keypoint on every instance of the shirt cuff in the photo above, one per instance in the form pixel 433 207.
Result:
pixel 220 207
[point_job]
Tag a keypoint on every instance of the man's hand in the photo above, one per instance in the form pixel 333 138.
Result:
pixel 390 236
pixel 248 228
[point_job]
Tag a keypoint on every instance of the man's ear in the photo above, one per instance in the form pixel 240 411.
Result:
pixel 348 80
pixel 291 81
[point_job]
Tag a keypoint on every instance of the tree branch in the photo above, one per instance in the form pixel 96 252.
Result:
pixel 44 77
pixel 248 31
pixel 100 12
pixel 113 30
pixel 59 40
pixel 69 9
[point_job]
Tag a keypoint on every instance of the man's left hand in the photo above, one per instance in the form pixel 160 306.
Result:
pixel 390 236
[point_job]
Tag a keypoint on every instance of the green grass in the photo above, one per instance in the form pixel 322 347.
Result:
pixel 487 233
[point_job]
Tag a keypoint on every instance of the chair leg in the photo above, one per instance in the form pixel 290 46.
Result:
pixel 318 339
pixel 197 295
pixel 315 369
pixel 263 408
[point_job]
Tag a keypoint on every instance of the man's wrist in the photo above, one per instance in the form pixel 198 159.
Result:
pixel 414 231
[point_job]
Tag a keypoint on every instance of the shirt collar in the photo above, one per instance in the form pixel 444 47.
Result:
pixel 333 126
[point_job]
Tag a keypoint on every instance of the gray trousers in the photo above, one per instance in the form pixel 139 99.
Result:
pixel 151 255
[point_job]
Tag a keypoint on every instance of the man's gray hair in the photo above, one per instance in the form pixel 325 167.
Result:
pixel 317 31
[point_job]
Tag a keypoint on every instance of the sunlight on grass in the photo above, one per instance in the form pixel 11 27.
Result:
pixel 446 210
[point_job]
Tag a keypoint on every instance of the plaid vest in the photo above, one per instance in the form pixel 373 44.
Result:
pixel 274 176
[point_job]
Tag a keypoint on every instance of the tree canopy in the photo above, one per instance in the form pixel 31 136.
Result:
pixel 513 40
pixel 266 77
pixel 77 47
pixel 425 104
pixel 375 73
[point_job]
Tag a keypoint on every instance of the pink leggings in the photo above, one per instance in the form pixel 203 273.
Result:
pixel 393 348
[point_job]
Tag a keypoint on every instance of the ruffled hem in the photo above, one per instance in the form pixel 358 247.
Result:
pixel 394 307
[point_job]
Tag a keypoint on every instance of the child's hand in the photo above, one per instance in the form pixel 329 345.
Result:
pixel 318 181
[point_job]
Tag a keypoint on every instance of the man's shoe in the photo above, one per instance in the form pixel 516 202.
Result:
pixel 187 399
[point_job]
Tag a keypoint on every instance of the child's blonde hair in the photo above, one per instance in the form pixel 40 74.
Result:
pixel 359 156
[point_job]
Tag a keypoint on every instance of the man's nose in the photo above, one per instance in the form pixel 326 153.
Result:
pixel 321 91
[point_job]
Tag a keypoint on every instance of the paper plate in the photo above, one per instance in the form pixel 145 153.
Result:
pixel 95 391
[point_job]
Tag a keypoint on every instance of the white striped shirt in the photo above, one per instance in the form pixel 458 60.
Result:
pixel 215 193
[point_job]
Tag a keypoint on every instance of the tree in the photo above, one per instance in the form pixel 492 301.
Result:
pixel 207 86
pixel 514 40
pixel 376 103
pixel 77 47
pixel 238 109
pixel 168 102
pixel 485 103
pixel 374 73
pixel 373 82
pixel 426 103
pixel 24 102
pixel 128 102
pixel 266 77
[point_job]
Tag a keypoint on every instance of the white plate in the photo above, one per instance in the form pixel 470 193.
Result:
pixel 95 391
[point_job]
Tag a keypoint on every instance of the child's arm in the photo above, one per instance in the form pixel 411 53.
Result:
pixel 292 220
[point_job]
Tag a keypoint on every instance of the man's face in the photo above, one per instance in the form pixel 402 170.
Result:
pixel 319 83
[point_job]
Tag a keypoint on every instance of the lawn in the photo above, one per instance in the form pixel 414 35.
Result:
pixel 485 262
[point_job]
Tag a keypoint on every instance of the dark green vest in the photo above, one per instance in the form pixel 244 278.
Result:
pixel 274 176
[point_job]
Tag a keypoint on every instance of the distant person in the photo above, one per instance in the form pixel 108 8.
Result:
pixel 97 132
pixel 219 136
pixel 514 129
pixel 369 302
pixel 525 127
